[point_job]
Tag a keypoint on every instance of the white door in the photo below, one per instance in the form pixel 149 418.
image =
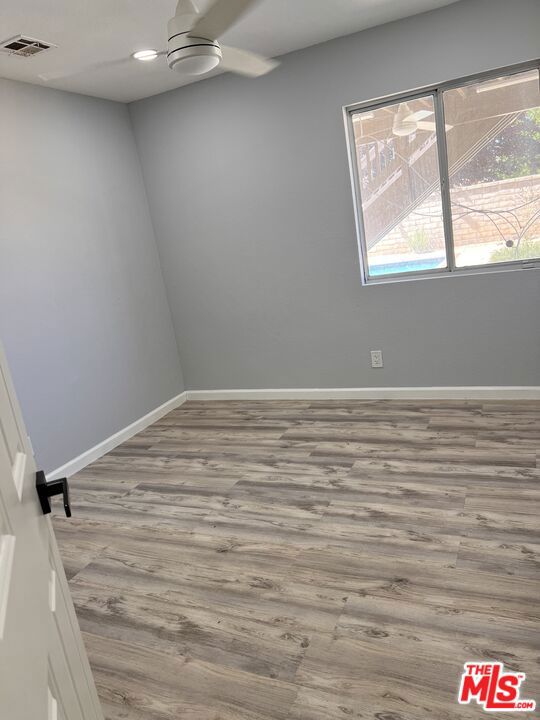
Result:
pixel 44 671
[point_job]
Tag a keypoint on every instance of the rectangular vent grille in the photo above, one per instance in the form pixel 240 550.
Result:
pixel 24 46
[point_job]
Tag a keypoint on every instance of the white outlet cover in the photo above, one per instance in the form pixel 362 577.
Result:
pixel 376 359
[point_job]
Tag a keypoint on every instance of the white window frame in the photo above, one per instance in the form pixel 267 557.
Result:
pixel 436 91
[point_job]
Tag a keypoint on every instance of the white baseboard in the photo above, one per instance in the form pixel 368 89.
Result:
pixel 78 463
pixel 472 392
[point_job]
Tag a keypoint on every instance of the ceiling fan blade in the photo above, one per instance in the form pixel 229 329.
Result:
pixel 431 127
pixel 244 62
pixel 47 77
pixel 420 115
pixel 219 18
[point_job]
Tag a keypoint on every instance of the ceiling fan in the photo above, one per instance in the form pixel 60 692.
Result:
pixel 407 122
pixel 193 47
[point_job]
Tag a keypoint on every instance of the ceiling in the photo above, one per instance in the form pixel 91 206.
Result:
pixel 90 31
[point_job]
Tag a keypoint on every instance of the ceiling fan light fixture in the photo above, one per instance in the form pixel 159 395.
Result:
pixel 195 60
pixel 145 55
pixel 405 128
pixel 190 54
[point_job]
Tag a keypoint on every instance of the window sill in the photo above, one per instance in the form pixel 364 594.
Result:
pixel 460 272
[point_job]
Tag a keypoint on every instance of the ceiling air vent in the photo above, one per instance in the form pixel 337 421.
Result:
pixel 24 46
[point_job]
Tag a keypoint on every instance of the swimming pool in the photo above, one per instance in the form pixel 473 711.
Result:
pixel 405 266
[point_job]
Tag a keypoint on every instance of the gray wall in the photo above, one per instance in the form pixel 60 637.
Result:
pixel 83 314
pixel 251 204
pixel 249 192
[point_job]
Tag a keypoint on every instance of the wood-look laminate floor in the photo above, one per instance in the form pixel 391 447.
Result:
pixel 309 560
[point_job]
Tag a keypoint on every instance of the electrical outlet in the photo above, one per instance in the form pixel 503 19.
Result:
pixel 376 359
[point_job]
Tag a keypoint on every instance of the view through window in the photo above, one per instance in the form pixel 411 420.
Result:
pixel 491 153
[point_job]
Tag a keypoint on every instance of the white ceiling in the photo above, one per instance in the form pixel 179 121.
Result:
pixel 88 31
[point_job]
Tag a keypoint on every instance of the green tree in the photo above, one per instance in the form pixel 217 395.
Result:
pixel 515 152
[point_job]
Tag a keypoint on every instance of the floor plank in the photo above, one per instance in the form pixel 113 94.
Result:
pixel 309 560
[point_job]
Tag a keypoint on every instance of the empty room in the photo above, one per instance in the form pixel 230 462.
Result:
pixel 269 359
